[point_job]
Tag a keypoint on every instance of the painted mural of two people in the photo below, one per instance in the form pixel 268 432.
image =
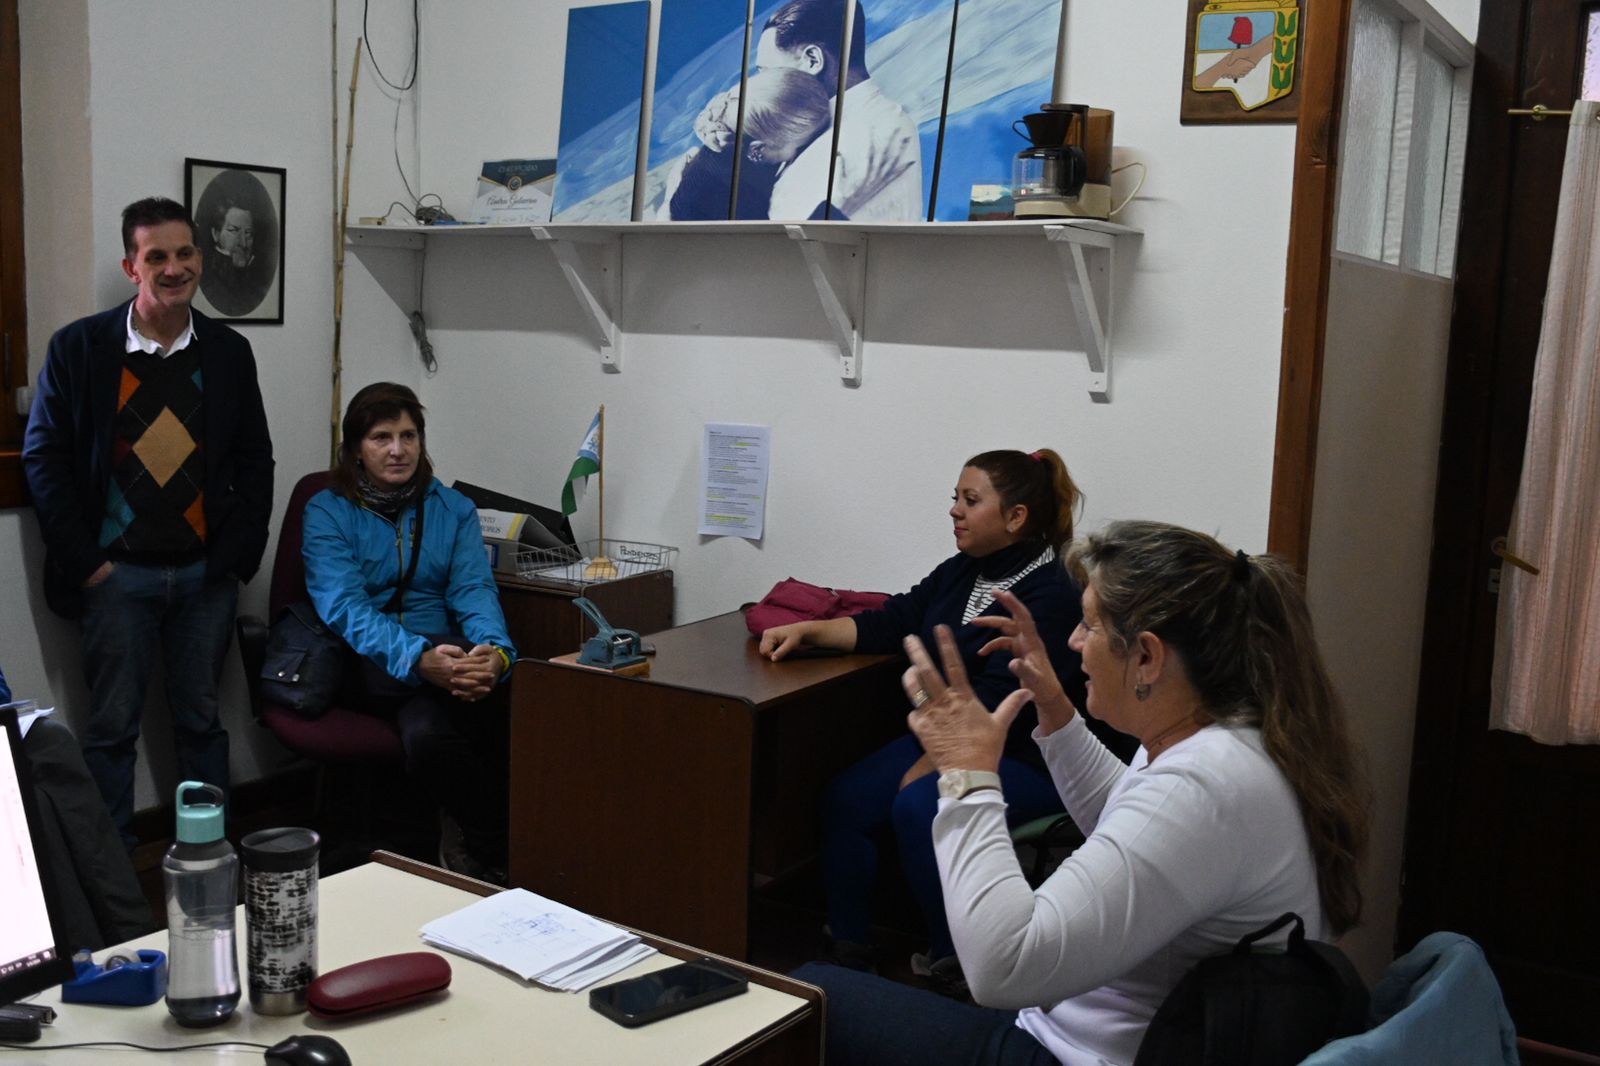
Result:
pixel 787 144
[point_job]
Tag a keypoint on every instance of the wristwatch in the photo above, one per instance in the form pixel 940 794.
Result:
pixel 953 784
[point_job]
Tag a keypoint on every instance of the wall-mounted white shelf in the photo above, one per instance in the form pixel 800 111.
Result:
pixel 835 255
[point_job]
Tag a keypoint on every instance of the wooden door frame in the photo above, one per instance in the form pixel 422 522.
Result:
pixel 1323 46
pixel 13 290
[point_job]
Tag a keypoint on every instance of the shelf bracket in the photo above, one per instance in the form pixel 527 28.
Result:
pixel 837 263
pixel 1088 258
pixel 596 286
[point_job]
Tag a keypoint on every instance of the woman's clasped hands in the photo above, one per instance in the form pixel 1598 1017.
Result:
pixel 467 675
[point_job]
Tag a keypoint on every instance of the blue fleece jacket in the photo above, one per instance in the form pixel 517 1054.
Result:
pixel 354 561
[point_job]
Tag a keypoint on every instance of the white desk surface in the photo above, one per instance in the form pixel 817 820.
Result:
pixel 487 1017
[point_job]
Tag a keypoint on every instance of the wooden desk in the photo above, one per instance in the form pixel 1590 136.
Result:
pixel 543 623
pixel 657 801
pixel 487 1016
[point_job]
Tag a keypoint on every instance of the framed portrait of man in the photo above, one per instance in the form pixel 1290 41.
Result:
pixel 238 216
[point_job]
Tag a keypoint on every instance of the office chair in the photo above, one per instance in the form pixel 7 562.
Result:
pixel 1050 839
pixel 343 736
pixel 1439 1002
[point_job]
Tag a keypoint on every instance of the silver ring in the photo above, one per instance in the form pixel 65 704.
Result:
pixel 920 697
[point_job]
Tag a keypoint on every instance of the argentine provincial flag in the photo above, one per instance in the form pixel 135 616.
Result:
pixel 587 462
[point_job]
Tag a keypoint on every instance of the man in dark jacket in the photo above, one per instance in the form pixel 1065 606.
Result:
pixel 150 466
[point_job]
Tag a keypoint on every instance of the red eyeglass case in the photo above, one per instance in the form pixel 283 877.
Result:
pixel 378 984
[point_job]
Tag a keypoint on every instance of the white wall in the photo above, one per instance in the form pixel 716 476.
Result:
pixel 1462 14
pixel 115 96
pixel 1371 537
pixel 970 345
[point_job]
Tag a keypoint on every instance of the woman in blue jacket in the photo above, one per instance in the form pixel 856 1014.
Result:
pixel 1012 513
pixel 395 565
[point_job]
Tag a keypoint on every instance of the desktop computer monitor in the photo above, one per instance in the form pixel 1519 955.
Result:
pixel 32 957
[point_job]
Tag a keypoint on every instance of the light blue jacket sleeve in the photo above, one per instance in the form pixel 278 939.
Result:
pixel 472 596
pixel 332 546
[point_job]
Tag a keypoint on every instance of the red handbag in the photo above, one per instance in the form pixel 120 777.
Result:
pixel 792 600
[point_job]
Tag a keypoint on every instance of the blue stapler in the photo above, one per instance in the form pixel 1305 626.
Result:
pixel 618 650
pixel 121 981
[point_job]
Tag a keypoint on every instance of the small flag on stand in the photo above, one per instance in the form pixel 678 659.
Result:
pixel 587 462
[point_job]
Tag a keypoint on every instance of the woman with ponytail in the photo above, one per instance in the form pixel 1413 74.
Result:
pixel 1243 801
pixel 1012 512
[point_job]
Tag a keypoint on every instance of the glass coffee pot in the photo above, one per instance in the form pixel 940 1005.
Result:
pixel 1047 176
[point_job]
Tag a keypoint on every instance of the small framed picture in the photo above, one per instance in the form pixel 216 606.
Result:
pixel 1241 61
pixel 238 216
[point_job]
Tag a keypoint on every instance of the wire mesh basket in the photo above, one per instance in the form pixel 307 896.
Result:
pixel 590 562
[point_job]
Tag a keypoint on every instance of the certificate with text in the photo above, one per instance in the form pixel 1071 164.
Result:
pixel 734 492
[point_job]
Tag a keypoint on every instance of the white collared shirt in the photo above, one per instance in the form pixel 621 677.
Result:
pixel 138 342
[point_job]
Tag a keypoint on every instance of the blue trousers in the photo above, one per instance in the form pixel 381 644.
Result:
pixel 125 617
pixel 872 1021
pixel 865 800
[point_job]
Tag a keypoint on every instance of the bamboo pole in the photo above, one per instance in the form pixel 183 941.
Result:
pixel 601 568
pixel 338 268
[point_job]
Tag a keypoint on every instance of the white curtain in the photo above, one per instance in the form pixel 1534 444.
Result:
pixel 1547 639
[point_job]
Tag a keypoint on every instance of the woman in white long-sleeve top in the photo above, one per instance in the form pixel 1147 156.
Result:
pixel 1243 801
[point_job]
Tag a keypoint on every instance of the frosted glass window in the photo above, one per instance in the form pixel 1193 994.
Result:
pixel 1591 58
pixel 1430 140
pixel 1368 129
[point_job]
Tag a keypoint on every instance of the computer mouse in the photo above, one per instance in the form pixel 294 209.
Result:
pixel 308 1049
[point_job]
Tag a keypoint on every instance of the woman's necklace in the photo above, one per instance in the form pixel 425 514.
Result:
pixel 1170 735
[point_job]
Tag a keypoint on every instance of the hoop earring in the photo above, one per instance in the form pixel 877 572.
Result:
pixel 1141 692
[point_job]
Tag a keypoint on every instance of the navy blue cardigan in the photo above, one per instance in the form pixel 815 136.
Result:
pixel 66 452
pixel 941 599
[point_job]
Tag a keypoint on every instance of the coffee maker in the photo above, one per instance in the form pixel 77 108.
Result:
pixel 1067 171
pixel 1047 176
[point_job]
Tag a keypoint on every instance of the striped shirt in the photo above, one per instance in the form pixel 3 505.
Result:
pixel 984 589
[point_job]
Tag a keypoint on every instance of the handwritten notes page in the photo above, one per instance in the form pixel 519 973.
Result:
pixel 537 939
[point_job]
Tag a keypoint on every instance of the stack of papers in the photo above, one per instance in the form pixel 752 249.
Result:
pixel 537 939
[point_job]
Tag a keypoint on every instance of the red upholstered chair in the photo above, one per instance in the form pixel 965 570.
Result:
pixel 342 735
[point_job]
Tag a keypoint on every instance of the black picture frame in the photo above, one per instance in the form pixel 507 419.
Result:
pixel 243 283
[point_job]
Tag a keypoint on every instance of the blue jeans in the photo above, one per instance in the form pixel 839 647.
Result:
pixel 866 799
pixel 124 618
pixel 873 1021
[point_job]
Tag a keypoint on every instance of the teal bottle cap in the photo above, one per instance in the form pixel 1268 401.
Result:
pixel 199 823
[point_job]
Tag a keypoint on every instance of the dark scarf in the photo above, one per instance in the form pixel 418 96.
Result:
pixel 387 502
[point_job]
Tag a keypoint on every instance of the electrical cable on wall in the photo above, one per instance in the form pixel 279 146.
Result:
pixel 419 325
pixel 420 210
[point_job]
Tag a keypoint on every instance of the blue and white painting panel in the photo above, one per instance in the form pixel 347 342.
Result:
pixel 602 97
pixel 699 66
pixel 792 120
pixel 889 125
pixel 1004 67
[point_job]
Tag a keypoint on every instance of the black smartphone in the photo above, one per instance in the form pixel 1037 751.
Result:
pixel 642 1000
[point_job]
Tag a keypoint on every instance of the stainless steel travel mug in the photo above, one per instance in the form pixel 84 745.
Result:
pixel 280 911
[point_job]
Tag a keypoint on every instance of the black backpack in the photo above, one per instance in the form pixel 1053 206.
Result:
pixel 1258 1006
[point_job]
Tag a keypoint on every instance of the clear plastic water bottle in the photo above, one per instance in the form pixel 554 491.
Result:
pixel 201 873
